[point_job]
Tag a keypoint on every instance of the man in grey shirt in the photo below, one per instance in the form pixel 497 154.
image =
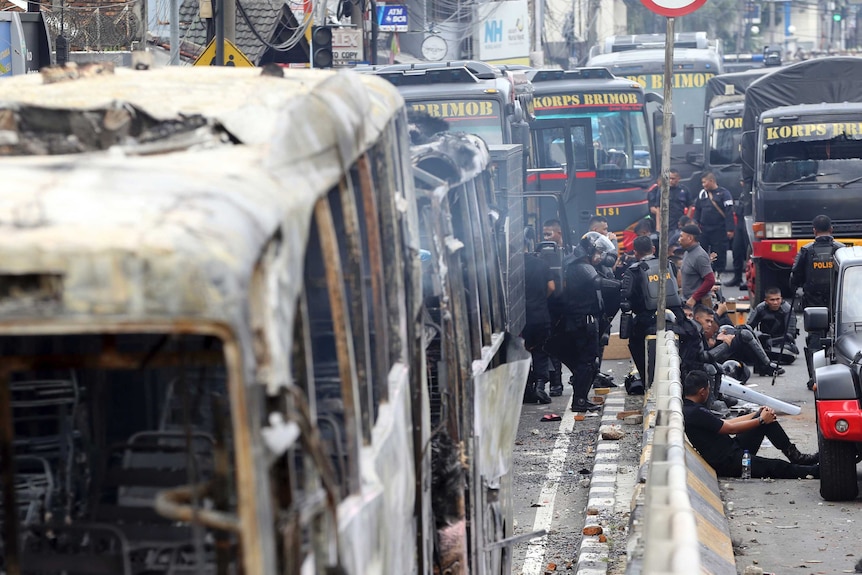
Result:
pixel 696 275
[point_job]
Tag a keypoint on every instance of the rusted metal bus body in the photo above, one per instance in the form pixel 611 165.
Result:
pixel 214 332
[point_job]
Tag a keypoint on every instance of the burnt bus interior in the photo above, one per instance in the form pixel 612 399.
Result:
pixel 117 450
pixel 96 428
pixel 458 233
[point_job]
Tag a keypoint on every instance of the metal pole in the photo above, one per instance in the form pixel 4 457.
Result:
pixel 220 33
pixel 374 32
pixel 230 20
pixel 665 167
pixel 175 33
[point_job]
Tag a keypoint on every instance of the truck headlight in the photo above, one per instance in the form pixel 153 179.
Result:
pixel 841 426
pixel 778 230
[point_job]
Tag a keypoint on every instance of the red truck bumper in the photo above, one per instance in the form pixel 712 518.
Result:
pixel 830 412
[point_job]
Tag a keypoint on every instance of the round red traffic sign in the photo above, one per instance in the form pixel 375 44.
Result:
pixel 673 8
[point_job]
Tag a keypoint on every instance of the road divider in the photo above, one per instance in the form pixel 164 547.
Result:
pixel 677 523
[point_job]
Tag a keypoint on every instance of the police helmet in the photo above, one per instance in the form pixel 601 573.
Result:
pixel 736 370
pixel 593 243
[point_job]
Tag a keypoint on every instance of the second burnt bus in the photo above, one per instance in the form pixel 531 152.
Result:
pixel 592 144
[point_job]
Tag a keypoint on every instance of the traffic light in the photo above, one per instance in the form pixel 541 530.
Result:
pixel 321 47
pixel 836 16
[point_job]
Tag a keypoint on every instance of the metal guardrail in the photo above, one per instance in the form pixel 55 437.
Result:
pixel 663 539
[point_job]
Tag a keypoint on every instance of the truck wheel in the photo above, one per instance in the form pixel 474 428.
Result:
pixel 837 469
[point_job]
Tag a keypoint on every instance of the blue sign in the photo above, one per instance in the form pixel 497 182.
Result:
pixel 392 18
pixel 5 49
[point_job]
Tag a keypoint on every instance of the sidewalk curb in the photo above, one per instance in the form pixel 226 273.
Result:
pixel 593 552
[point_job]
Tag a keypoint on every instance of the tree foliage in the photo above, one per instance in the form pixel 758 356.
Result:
pixel 718 18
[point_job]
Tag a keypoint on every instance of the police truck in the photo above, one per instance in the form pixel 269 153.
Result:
pixel 802 156
pixel 592 145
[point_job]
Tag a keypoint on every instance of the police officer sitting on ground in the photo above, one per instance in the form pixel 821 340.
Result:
pixel 538 286
pixel 713 212
pixel 576 339
pixel 739 343
pixel 721 441
pixel 775 323
pixel 640 286
pixel 695 354
pixel 812 271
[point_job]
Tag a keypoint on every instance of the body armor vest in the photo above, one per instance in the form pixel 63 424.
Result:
pixel 650 285
pixel 819 276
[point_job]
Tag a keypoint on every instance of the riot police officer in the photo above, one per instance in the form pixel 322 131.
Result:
pixel 776 324
pixel 576 339
pixel 640 286
pixel 812 271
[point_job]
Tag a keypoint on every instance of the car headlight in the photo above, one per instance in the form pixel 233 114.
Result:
pixel 778 230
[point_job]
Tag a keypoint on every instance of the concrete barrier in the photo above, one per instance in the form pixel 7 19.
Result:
pixel 678 526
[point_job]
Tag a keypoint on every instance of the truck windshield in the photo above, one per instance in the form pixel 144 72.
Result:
pixel 620 142
pixel 829 152
pixel 482 118
pixel 724 137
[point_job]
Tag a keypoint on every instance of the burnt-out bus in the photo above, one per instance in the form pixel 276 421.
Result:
pixel 246 329
pixel 592 145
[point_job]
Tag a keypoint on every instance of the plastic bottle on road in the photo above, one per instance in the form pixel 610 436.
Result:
pixel 746 465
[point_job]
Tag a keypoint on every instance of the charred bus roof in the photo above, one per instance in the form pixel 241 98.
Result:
pixel 102 234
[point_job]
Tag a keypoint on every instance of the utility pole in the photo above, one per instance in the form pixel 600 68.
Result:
pixel 175 33
pixel 230 20
pixel 219 35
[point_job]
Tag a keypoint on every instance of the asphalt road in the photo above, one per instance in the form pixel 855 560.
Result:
pixel 781 526
pixel 784 526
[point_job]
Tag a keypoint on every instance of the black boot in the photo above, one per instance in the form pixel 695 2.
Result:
pixel 530 392
pixel 539 392
pixel 795 456
pixel 734 281
pixel 582 405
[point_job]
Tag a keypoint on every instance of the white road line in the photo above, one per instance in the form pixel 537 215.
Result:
pixel 534 562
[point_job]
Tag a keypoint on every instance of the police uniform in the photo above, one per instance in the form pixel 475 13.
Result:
pixel 576 341
pixel 640 287
pixel 715 222
pixel 537 328
pixel 777 331
pixel 812 271
pixel 740 243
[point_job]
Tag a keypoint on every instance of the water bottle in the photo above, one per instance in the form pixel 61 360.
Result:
pixel 746 465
